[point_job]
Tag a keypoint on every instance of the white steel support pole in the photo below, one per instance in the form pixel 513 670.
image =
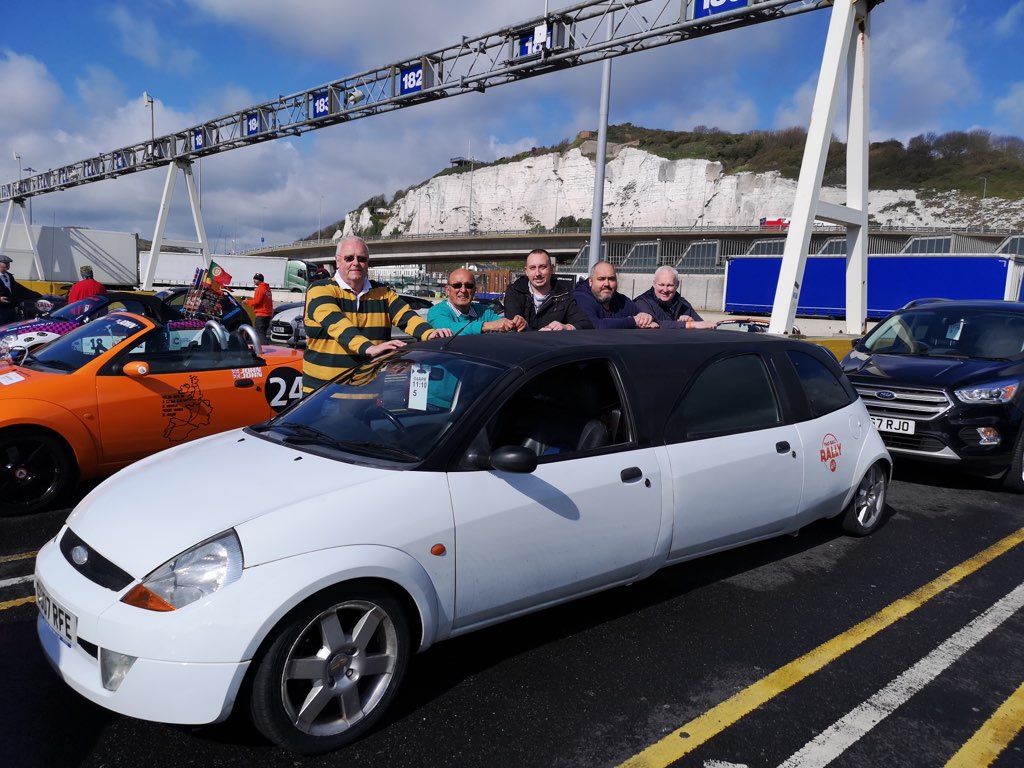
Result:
pixel 857 137
pixel 201 243
pixel 597 210
pixel 19 202
pixel 843 36
pixel 158 231
pixel 197 211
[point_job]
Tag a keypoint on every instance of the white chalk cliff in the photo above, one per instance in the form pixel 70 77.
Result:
pixel 644 190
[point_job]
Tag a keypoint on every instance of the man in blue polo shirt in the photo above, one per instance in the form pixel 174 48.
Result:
pixel 465 316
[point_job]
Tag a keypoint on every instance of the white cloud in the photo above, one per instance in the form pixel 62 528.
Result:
pixel 141 40
pixel 1010 109
pixel 30 95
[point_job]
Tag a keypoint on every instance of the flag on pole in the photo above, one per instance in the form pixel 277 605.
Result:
pixel 219 274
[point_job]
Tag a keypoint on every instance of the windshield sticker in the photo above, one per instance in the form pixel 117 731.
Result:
pixel 831 449
pixel 11 378
pixel 953 332
pixel 419 380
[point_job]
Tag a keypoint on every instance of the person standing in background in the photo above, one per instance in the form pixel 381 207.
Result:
pixel 87 286
pixel 262 302
pixel 11 292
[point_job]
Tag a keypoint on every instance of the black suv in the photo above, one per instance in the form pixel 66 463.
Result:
pixel 942 381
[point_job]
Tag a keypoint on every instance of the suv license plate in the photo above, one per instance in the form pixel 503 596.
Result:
pixel 885 424
pixel 61 620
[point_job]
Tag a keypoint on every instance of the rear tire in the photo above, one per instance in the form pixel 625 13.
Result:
pixel 36 470
pixel 1013 480
pixel 331 670
pixel 867 508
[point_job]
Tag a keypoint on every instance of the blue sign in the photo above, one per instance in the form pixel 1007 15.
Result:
pixel 321 103
pixel 411 80
pixel 253 124
pixel 527 46
pixel 704 8
pixel 198 138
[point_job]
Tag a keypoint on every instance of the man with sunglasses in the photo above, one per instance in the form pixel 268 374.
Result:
pixel 463 315
pixel 349 318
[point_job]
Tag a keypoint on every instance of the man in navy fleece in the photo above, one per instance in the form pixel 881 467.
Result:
pixel 600 300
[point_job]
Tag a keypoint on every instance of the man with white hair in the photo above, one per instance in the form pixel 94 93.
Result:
pixel 349 318
pixel 667 306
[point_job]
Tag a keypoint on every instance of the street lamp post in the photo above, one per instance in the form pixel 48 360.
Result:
pixel 319 220
pixel 984 186
pixel 29 169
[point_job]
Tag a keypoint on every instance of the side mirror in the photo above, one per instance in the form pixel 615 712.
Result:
pixel 136 369
pixel 514 458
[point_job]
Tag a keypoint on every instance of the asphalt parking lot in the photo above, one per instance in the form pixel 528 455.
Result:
pixel 900 649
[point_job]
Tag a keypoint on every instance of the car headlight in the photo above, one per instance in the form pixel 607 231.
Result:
pixel 996 392
pixel 195 573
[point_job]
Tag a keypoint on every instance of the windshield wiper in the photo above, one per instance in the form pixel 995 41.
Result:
pixel 60 365
pixel 306 434
pixel 366 446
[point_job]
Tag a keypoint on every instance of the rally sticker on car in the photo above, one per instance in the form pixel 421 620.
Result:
pixel 11 378
pixel 247 373
pixel 831 449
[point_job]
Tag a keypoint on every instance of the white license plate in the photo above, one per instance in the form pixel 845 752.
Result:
pixel 62 621
pixel 886 424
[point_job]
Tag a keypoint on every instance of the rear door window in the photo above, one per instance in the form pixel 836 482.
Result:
pixel 734 394
pixel 825 392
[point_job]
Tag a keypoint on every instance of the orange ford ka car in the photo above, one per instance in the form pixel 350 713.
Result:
pixel 125 386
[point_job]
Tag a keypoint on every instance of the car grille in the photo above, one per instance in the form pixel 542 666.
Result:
pixel 904 402
pixel 921 443
pixel 94 567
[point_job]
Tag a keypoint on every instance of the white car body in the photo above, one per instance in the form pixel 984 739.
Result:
pixel 566 528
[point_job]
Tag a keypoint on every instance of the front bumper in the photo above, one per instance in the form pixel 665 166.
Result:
pixel 168 691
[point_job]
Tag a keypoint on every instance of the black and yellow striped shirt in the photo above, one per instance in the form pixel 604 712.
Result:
pixel 340 327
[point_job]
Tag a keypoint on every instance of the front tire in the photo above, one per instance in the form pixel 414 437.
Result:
pixel 867 508
pixel 1013 480
pixel 332 669
pixel 36 470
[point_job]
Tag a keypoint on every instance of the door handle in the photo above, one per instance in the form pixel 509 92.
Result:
pixel 782 447
pixel 630 473
pixel 243 383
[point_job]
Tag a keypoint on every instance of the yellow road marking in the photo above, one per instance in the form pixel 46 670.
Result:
pixel 701 729
pixel 995 734
pixel 15 603
pixel 20 556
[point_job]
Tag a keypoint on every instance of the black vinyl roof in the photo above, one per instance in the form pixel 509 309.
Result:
pixel 529 347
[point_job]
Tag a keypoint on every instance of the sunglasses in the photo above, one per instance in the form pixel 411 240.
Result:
pixel 468 286
pixel 351 257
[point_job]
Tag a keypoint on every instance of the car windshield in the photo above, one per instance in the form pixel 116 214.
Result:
pixel 73 350
pixel 76 309
pixel 951 331
pixel 396 409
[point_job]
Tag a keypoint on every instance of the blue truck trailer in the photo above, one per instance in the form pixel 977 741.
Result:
pixel 893 280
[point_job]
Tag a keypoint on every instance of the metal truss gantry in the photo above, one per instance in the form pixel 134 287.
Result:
pixel 580 34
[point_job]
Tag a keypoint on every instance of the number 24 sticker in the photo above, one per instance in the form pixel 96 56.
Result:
pixel 284 387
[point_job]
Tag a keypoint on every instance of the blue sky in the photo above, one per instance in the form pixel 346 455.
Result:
pixel 72 76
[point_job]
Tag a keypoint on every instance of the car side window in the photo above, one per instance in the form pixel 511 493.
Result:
pixel 564 412
pixel 734 394
pixel 824 391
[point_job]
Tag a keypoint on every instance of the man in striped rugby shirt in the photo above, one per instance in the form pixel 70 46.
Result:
pixel 349 318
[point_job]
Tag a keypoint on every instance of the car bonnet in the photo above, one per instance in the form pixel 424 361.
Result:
pixel 161 506
pixel 925 371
